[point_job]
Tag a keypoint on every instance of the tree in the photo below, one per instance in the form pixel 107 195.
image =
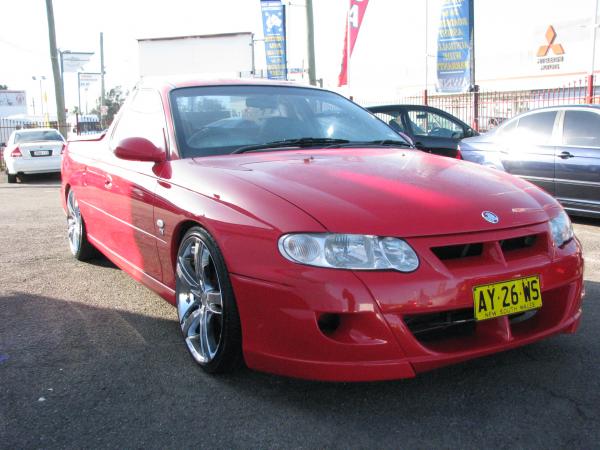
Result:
pixel 113 101
pixel 3 87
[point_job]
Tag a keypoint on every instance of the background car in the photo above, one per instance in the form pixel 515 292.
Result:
pixel 431 129
pixel 32 151
pixel 555 148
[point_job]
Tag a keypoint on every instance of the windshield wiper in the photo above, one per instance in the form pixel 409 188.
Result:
pixel 377 143
pixel 299 142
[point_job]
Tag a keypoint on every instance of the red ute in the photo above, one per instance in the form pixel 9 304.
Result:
pixel 298 233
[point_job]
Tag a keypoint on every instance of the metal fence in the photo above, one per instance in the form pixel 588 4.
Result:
pixel 484 110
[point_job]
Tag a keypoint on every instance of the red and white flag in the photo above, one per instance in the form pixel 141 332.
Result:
pixel 356 13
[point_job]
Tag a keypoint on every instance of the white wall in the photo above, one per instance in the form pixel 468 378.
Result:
pixel 224 55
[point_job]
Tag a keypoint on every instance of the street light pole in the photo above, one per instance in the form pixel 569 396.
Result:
pixel 40 78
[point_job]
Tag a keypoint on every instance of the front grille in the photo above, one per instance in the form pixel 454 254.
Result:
pixel 477 253
pixel 457 251
pixel 441 325
pixel 509 245
pixel 459 323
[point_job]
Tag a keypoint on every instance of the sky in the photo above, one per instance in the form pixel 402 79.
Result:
pixel 24 48
pixel 394 55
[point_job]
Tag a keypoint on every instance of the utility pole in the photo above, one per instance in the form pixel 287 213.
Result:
pixel 312 73
pixel 102 93
pixel 589 97
pixel 58 91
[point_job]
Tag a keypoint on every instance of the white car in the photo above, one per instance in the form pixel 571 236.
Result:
pixel 34 150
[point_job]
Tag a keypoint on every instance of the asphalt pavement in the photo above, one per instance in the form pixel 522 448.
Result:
pixel 91 359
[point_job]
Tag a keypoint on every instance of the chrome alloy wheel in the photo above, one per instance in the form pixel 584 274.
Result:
pixel 199 300
pixel 74 223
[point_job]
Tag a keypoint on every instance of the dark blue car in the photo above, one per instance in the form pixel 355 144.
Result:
pixel 556 148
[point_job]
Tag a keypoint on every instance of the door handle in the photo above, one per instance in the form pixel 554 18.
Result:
pixel 566 155
pixel 108 182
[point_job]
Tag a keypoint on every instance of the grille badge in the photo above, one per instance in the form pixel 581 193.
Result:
pixel 490 217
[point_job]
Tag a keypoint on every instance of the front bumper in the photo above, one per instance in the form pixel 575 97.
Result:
pixel 282 321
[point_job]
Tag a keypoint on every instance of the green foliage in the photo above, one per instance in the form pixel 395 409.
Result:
pixel 3 87
pixel 114 99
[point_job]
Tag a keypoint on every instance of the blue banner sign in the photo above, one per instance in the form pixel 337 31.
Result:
pixel 455 44
pixel 273 14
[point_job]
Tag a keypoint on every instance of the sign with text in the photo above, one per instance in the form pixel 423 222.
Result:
pixel 88 78
pixel 273 14
pixel 74 61
pixel 12 102
pixel 455 44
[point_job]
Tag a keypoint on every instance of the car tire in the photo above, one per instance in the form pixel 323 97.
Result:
pixel 12 178
pixel 79 245
pixel 206 306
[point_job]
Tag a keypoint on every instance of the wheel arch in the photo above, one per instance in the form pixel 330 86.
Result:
pixel 178 235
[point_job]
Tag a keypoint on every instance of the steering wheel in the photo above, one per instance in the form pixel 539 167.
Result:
pixel 436 131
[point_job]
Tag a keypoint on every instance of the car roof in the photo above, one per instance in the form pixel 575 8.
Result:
pixel 582 105
pixel 193 80
pixel 31 130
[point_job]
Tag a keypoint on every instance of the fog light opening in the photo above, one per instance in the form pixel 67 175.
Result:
pixel 328 323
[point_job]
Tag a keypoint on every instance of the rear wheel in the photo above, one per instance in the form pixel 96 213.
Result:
pixel 79 245
pixel 206 305
pixel 12 178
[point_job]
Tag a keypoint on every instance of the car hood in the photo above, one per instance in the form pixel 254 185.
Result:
pixel 391 192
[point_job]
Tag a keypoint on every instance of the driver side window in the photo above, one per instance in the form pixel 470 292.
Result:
pixel 426 123
pixel 143 117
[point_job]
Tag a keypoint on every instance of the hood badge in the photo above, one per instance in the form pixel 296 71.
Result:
pixel 490 217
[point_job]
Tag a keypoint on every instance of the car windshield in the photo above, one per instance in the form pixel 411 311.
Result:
pixel 37 136
pixel 219 120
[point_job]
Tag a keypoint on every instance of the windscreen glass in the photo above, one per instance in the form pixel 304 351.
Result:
pixel 37 136
pixel 218 120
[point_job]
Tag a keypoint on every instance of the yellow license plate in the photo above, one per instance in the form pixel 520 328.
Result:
pixel 507 297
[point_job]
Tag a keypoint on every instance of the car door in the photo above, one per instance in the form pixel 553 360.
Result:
pixel 529 150
pixel 578 160
pixel 129 187
pixel 434 131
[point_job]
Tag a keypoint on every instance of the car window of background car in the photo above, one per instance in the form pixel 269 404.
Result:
pixel 216 120
pixel 506 130
pixel 434 125
pixel 536 128
pixel 37 136
pixel 143 117
pixel 582 129
pixel 393 119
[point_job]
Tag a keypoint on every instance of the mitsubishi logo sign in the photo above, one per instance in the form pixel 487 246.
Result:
pixel 557 49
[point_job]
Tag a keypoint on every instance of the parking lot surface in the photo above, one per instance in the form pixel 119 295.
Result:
pixel 90 358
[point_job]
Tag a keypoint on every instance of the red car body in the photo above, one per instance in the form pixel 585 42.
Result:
pixel 248 201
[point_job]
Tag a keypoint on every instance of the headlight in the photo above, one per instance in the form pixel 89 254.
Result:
pixel 349 251
pixel 562 229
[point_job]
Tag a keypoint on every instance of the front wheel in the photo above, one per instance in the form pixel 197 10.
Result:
pixel 79 245
pixel 206 306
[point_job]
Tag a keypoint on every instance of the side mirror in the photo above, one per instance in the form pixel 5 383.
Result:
pixel 139 149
